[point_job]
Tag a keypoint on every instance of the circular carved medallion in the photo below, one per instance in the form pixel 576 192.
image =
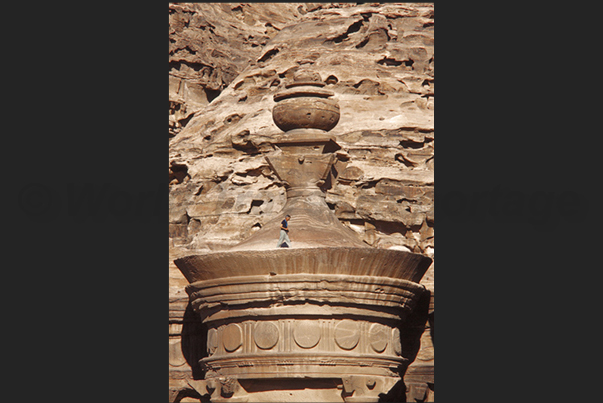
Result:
pixel 306 333
pixel 212 341
pixel 396 343
pixel 347 334
pixel 231 337
pixel 378 337
pixel 265 335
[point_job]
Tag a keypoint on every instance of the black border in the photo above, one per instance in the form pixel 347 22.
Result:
pixel 87 306
pixel 511 290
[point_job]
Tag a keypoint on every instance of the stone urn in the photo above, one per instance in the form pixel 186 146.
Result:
pixel 325 320
pixel 305 104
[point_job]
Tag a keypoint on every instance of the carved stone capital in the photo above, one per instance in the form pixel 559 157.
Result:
pixel 361 388
pixel 226 389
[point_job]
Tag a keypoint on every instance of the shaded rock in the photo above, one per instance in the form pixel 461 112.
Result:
pixel 351 174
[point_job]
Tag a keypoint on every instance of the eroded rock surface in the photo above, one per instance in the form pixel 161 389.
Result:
pixel 210 44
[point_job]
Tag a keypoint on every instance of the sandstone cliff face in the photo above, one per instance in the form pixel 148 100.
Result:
pixel 210 44
pixel 226 62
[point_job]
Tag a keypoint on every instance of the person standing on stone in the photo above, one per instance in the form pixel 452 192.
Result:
pixel 283 240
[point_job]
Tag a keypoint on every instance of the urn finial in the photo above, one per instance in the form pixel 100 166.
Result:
pixel 304 104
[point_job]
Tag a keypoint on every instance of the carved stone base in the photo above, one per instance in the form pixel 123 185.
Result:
pixel 366 388
pixel 420 383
